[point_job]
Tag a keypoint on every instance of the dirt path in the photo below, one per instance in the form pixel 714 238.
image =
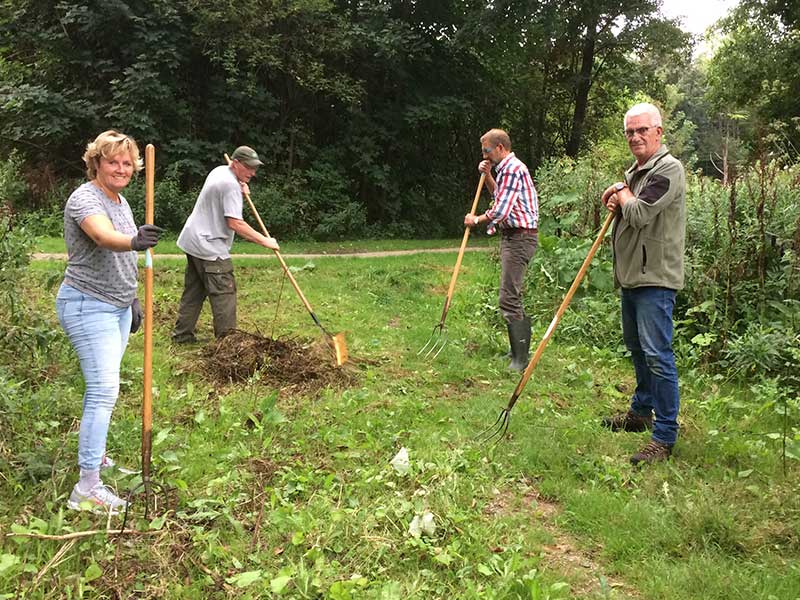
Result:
pixel 374 254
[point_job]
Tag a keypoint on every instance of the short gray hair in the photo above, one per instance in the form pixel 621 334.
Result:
pixel 644 108
pixel 497 136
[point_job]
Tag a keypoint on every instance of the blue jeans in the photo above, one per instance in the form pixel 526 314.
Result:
pixel 99 333
pixel 647 331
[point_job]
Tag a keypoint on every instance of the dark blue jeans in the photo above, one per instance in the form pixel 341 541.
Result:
pixel 647 331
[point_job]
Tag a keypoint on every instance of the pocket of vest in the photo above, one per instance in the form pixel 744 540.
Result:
pixel 644 258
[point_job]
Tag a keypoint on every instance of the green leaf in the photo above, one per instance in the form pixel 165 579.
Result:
pixel 484 570
pixel 161 436
pixel 704 339
pixel 244 579
pixel 93 571
pixel 560 586
pixel 37 524
pixel 443 558
pixel 158 522
pixel 7 561
pixel 279 584
pixel 338 591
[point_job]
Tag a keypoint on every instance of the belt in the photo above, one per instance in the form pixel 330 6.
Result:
pixel 517 230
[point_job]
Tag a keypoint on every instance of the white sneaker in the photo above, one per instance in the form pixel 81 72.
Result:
pixel 99 499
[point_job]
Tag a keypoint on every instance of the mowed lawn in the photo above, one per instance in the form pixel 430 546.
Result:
pixel 275 494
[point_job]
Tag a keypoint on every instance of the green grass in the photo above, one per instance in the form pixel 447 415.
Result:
pixel 168 245
pixel 285 496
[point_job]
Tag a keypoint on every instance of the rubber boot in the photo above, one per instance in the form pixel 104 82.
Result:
pixel 519 335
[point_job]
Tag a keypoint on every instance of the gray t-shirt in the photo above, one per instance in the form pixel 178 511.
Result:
pixel 206 234
pixel 103 274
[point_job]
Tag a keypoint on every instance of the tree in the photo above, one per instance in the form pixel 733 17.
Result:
pixel 756 72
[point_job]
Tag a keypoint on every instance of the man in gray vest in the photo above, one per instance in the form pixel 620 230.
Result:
pixel 207 238
pixel 648 242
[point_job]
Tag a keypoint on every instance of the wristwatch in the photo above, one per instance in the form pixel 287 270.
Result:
pixel 475 219
pixel 619 186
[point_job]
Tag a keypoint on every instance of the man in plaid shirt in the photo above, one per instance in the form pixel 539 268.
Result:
pixel 515 212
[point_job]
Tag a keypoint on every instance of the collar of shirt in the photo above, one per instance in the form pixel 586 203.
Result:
pixel 657 155
pixel 504 163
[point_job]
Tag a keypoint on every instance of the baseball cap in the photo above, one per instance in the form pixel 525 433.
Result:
pixel 247 156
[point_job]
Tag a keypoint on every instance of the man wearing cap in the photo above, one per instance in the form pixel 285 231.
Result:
pixel 207 238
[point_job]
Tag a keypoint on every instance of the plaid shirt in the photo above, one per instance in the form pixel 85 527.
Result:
pixel 515 201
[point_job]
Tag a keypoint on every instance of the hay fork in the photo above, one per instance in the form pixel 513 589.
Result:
pixel 147 485
pixel 500 427
pixel 438 339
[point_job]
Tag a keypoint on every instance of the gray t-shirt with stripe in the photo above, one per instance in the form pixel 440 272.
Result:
pixel 103 274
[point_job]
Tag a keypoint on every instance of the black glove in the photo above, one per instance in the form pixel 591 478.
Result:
pixel 136 315
pixel 147 237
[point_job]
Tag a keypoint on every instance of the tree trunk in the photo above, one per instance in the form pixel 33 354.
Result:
pixel 582 87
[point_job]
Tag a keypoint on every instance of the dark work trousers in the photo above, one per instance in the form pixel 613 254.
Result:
pixel 212 279
pixel 517 247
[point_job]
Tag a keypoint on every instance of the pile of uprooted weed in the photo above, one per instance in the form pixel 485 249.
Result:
pixel 290 364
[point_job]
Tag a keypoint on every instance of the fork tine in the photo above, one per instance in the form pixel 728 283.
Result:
pixel 436 342
pixel 431 340
pixel 441 340
pixel 497 430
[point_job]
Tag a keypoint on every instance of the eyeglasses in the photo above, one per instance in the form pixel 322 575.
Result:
pixel 629 133
pixel 488 150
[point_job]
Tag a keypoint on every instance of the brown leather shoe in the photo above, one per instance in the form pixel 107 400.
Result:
pixel 653 452
pixel 628 421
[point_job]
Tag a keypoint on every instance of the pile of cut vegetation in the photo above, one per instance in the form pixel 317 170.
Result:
pixel 288 363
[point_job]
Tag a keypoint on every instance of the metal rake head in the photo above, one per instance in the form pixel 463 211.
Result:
pixel 436 342
pixel 498 430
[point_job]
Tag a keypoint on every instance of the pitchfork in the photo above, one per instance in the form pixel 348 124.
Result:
pixel 438 339
pixel 147 399
pixel 500 428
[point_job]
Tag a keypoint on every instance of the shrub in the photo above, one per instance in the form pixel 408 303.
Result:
pixel 27 339
pixel 13 189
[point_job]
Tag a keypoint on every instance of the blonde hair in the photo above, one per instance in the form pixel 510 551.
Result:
pixel 109 144
pixel 497 136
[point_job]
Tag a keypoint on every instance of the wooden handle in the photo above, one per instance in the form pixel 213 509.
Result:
pixel 454 277
pixel 277 253
pixel 564 304
pixel 147 398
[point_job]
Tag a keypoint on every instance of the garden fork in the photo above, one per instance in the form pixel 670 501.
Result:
pixel 500 427
pixel 438 339
pixel 147 400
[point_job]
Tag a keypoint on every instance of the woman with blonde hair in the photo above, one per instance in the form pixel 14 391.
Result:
pixel 97 304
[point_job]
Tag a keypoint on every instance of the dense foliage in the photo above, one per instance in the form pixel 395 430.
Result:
pixel 367 113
